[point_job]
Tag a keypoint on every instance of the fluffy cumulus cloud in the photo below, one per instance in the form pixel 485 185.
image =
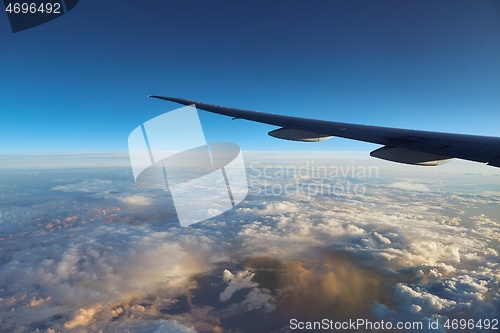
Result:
pixel 86 251
pixel 94 279
pixel 410 186
pixel 236 282
pixel 137 200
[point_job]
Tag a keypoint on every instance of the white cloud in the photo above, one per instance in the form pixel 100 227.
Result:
pixel 235 282
pixel 411 300
pixel 95 274
pixel 89 185
pixel 137 200
pixel 256 299
pixel 410 186
pixel 382 239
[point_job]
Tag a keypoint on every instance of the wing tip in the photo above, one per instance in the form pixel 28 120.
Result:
pixel 172 99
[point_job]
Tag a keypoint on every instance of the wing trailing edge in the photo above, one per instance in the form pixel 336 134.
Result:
pixel 399 145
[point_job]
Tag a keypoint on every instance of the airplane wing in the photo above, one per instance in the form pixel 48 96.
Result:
pixel 399 145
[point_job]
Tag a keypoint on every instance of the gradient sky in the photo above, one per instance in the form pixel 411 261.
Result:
pixel 80 82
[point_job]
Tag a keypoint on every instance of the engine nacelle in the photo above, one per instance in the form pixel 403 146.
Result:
pixel 408 156
pixel 298 135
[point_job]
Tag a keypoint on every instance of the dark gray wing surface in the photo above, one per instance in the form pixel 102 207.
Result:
pixel 400 145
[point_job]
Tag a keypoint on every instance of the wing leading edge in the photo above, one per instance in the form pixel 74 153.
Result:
pixel 399 145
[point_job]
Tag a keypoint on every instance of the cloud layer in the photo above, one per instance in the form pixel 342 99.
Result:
pixel 83 251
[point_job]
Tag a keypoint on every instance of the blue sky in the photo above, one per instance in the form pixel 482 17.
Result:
pixel 80 82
